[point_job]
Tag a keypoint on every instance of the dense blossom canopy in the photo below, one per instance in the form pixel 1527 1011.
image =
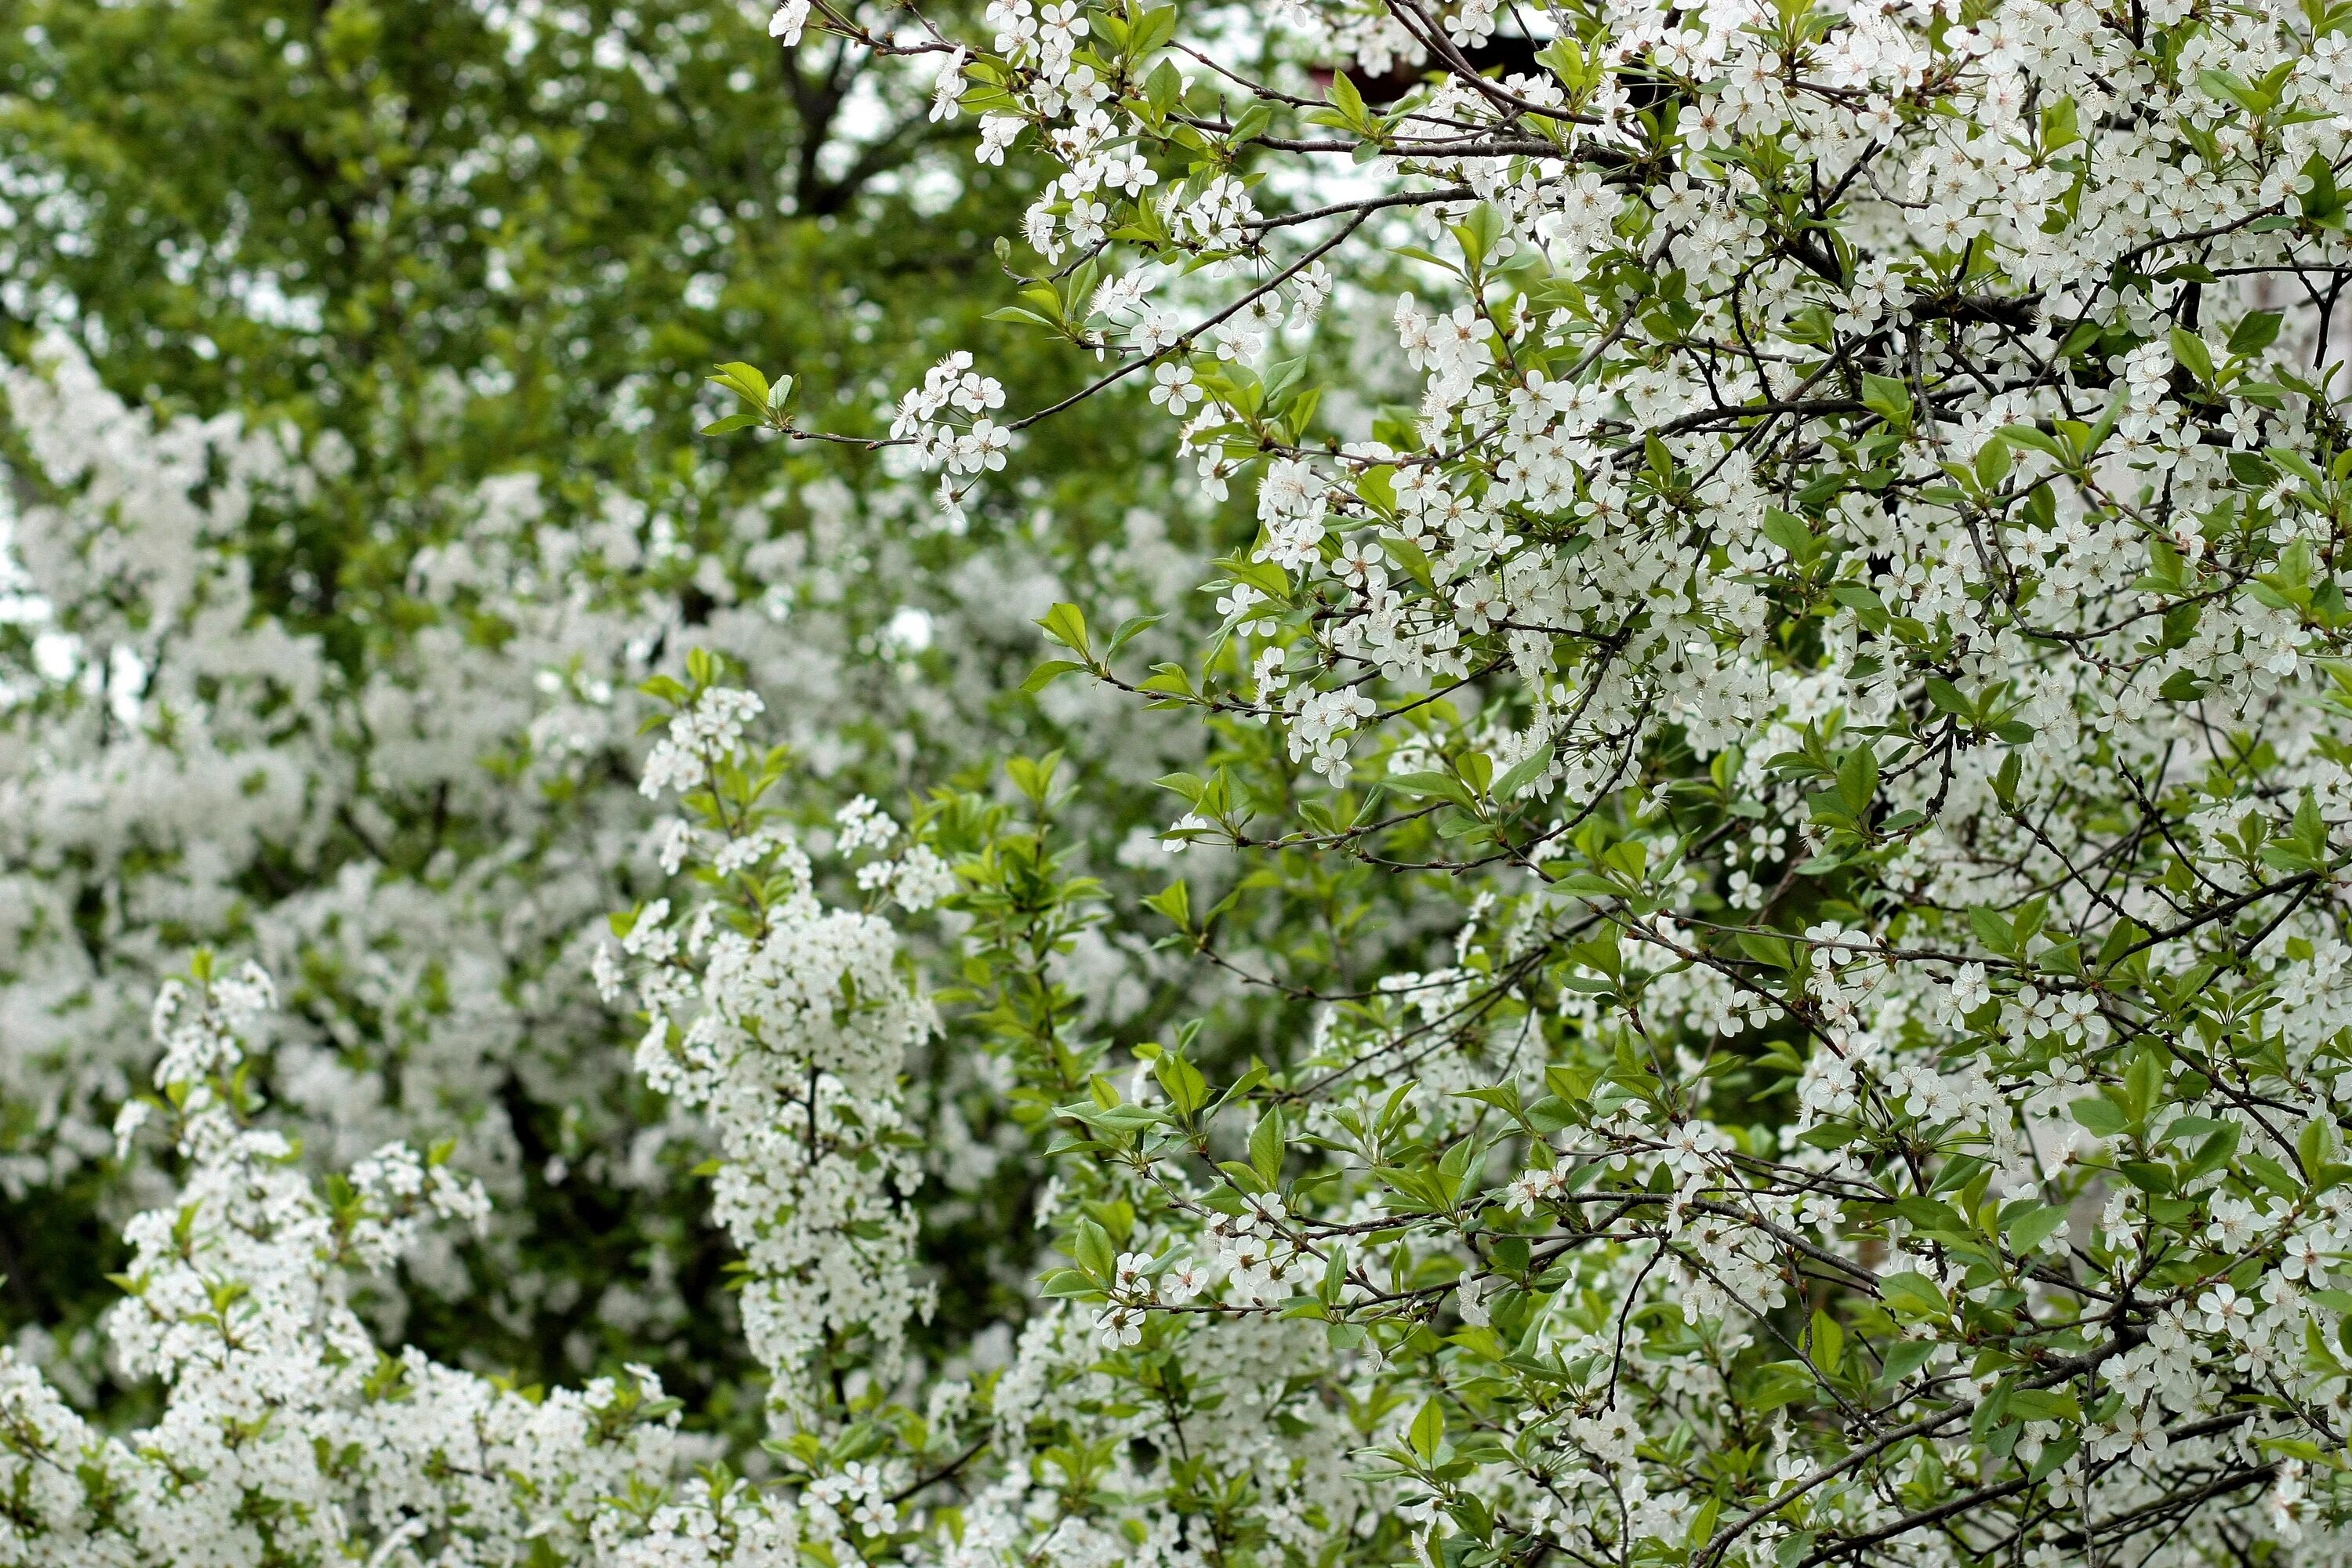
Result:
pixel 1742 962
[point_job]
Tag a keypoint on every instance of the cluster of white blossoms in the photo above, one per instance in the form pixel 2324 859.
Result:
pixel 1847 598
pixel 948 422
pixel 285 1436
pixel 422 849
pixel 420 835
pixel 1759 973
pixel 787 1025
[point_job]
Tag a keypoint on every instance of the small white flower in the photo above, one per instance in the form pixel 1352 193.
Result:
pixel 786 25
pixel 1173 387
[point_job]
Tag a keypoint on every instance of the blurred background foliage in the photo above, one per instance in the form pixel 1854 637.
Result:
pixel 479 238
pixel 463 239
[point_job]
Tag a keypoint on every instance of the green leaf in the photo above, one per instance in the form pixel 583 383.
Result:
pixel 2194 356
pixel 1566 61
pixel 1992 930
pixel 1067 624
pixel 2321 203
pixel 1524 772
pixel 1175 901
pixel 1428 1433
pixel 1154 29
pixel 1065 1282
pixel 747 379
pixel 2099 1115
pixel 1164 89
pixel 2027 1231
pixel 2044 1405
pixel 1888 398
pixel 1779 1384
pixel 1790 532
pixel 2271 1175
pixel 2228 86
pixel 1045 674
pixel 1033 776
pixel 1129 630
pixel 1479 233
pixel 1947 699
pixel 1992 464
pixel 2256 332
pixel 1913 1295
pixel 1091 1250
pixel 1829 1341
pixel 1868 608
pixel 1429 782
pixel 2315 1144
pixel 2212 1154
pixel 1858 780
pixel 2181 685
pixel 1958 1172
pixel 1186 1090
pixel 2036 439
pixel 1253 122
pixel 2061 126
pixel 2144 1083
pixel 2005 781
pixel 1266 1149
pixel 1342 96
pixel 1904 1358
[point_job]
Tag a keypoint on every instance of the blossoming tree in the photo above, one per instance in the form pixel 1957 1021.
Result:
pixel 1749 961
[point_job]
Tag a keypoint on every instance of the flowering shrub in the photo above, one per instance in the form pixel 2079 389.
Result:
pixel 286 1435
pixel 352 358
pixel 1747 965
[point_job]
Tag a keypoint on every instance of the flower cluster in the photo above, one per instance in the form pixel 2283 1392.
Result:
pixel 284 1434
pixel 786 1024
pixel 1759 972
pixel 1842 611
